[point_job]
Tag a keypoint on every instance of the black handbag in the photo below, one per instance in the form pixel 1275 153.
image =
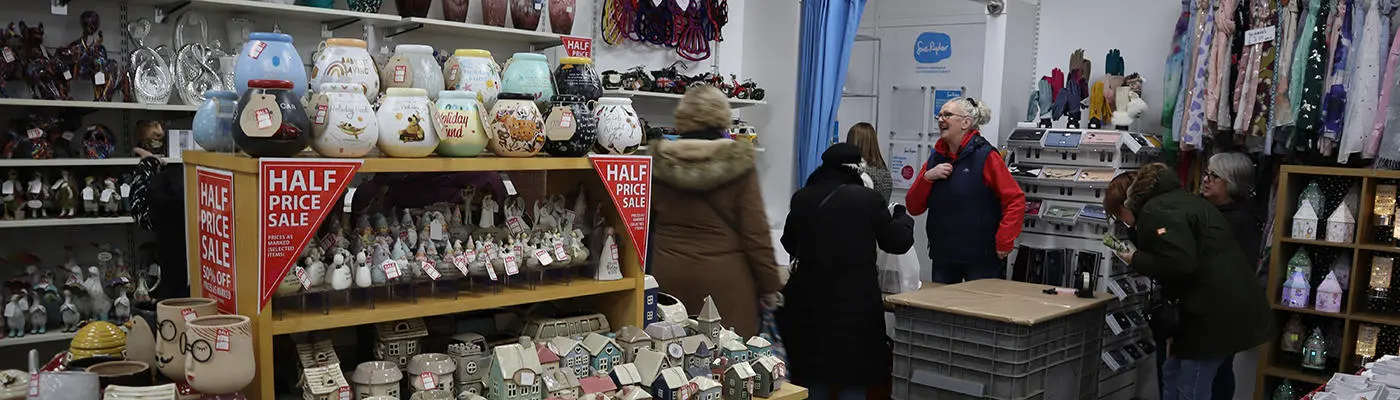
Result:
pixel 1163 316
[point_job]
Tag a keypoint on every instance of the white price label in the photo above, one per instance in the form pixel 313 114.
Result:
pixel 461 263
pixel 107 195
pixel 99 79
pixel 9 55
pixel 391 269
pixel 400 73
pixel 345 393
pixel 490 248
pixel 515 225
pixel 68 135
pixel 429 381
pixel 543 256
pixel 56 185
pixel 1259 35
pixel 188 314
pixel 302 277
pixel 36 187
pixel 9 188
pixel 255 50
pixel 34 133
pixel 567 120
pixel 34 385
pixel 559 252
pixel 67 76
pixel 491 272
pixel 435 230
pixel 327 241
pixel 88 193
pixel 570 215
pixel 430 268
pixel 125 190
pixel 264 117
pixel 221 343
pixel 510 186
pixel 512 268
pixel 320 114
pixel 612 248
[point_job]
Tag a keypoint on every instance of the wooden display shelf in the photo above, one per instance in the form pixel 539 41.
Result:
pixel 789 391
pixel 1319 243
pixel 39 222
pixel 243 163
pixel 1297 374
pixel 74 162
pixel 314 320
pixel 1309 311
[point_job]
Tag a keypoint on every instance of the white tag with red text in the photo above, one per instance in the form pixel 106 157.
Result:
pixel 320 114
pixel 400 73
pixel 515 225
pixel 264 117
pixel 612 248
pixel 559 252
pixel 461 263
pixel 430 268
pixel 344 393
pixel 34 385
pixel 9 55
pixel 511 267
pixel 543 256
pixel 429 381
pixel 255 50
pixel 221 343
pixel 391 269
pixel 302 277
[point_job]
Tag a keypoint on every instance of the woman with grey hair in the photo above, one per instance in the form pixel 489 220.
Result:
pixel 1229 185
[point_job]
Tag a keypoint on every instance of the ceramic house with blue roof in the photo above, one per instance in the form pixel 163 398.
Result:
pixel 759 347
pixel 603 353
pixel 572 355
pixel 734 351
pixel 515 372
pixel 671 384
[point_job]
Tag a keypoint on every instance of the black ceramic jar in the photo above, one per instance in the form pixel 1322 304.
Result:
pixel 575 76
pixel 269 120
pixel 570 129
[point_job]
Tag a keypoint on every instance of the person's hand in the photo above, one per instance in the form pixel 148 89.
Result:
pixel 143 153
pixel 771 301
pixel 938 172
pixel 1003 254
pixel 1127 256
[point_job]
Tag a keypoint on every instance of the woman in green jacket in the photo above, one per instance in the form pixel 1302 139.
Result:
pixel 1185 245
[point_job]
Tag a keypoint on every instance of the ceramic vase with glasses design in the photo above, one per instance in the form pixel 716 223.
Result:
pixel 406 127
pixel 413 8
pixel 494 12
pixel 575 75
pixel 346 61
pixel 172 314
pixel 475 71
pixel 561 16
pixel 269 56
pixel 431 371
pixel 213 121
pixel 515 128
pixel 459 118
pixel 525 14
pixel 413 65
pixel 270 120
pixel 570 128
pixel 344 123
pixel 219 357
pixel 619 129
pixel 455 10
pixel 528 73
pixel 376 378
pixel 365 6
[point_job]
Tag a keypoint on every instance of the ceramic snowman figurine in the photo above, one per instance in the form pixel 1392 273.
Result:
pixel 340 275
pixel 111 199
pixel 70 313
pixel 363 275
pixel 101 304
pixel 121 307
pixel 15 317
pixel 38 317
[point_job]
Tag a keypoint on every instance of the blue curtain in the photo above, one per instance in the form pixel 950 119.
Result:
pixel 828 30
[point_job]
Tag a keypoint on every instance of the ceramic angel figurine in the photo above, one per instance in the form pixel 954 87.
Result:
pixel 609 268
pixel 340 275
pixel 515 215
pixel 363 275
pixel 544 215
pixel 38 317
pixel 121 307
pixel 38 197
pixel 468 199
pixel 10 190
pixel 488 213
pixel 509 260
pixel 408 232
pixel 69 311
pixel 65 198
pixel 15 317
pixel 580 206
pixel 110 197
pixel 101 304
pixel 89 192
pixel 577 250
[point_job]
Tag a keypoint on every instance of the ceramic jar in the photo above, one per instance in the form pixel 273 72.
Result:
pixel 435 366
pixel 269 56
pixel 172 315
pixel 575 75
pixel 213 121
pixel 14 384
pixel 528 73
pixel 525 14
pixel 365 6
pixel 561 16
pixel 220 357
pixel 413 65
pixel 406 123
pixel 459 124
pixel 376 378
pixel 413 8
pixel 516 128
pixel 67 385
pixel 124 373
pixel 270 121
pixel 474 70
pixel 455 10
pixel 619 130
pixel 570 129
pixel 344 123
pixel 346 61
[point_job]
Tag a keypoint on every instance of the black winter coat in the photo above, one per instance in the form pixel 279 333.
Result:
pixel 1247 225
pixel 833 321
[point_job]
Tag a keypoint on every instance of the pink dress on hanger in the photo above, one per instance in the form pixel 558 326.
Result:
pixel 1373 143
pixel 1219 58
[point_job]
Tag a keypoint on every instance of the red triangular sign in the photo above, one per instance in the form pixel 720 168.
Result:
pixel 628 181
pixel 294 195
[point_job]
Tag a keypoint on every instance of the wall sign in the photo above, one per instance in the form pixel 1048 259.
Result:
pixel 930 49
pixel 905 156
pixel 628 181
pixel 294 196
pixel 576 46
pixel 941 97
pixel 216 258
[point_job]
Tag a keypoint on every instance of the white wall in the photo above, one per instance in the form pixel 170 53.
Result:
pixel 770 57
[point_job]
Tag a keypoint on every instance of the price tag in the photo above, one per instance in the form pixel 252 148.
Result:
pixel 491 272
pixel 391 269
pixel 510 186
pixel 9 55
pixel 435 230
pixel 539 4
pixel 400 73
pixel 255 50
pixel 221 342
pixel 320 114
pixel 302 277
pixel 1259 35
pixel 468 256
pixel 490 248
pixel 34 385
pixel 36 187
pixel 34 133
pixel 403 235
pixel 9 188
pixel 567 120
pixel 67 75
pixel 461 263
pixel 188 314
pixel 559 252
pixel 512 268
pixel 430 268
pixel 327 241
pixel 68 135
pixel 126 190
pixel 543 256
pixel 515 225
pixel 264 117
pixel 99 79
pixel 429 381
pixel 344 393
pixel 107 195
pixel 612 248
pixel 88 193
pixel 570 215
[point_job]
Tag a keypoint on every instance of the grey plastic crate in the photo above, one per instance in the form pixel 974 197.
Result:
pixel 927 348
pixel 950 382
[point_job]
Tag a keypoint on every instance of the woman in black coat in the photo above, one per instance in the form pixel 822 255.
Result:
pixel 833 321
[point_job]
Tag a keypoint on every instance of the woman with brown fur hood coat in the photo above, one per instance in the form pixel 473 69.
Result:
pixel 710 234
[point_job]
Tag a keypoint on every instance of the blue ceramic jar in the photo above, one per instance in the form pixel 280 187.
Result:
pixel 269 56
pixel 528 73
pixel 213 121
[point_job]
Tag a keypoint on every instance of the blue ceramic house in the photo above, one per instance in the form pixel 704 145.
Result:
pixel 669 385
pixel 603 352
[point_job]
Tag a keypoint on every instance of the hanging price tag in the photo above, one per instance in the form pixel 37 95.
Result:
pixel 68 135
pixel 490 249
pixel 510 186
pixel 320 114
pixel 430 268
pixel 512 268
pixel 9 55
pixel 491 272
pixel 36 187
pixel 391 269
pixel 435 230
pixel 264 118
pixel 344 393
pixel 34 385
pixel 400 73
pixel 9 189
pixel 302 277
pixel 559 252
pixel 188 314
pixel 34 133
pixel 567 120
pixel 403 234
pixel 57 185
pixel 543 256
pixel 570 215
pixel 515 225
pixel 461 263
pixel 221 342
pixel 125 189
pixel 612 248
pixel 99 79
pixel 67 76
pixel 327 241
pixel 429 381
pixel 255 50
pixel 88 193
pixel 107 195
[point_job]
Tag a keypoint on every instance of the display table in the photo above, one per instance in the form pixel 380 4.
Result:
pixel 788 392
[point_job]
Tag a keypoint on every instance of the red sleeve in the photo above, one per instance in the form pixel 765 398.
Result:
pixel 916 200
pixel 1013 200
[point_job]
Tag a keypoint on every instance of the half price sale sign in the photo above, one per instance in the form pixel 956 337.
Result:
pixel 216 258
pixel 295 195
pixel 628 181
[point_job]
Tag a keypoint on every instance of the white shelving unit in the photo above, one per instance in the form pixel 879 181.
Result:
pixel 50 336
pixel 638 95
pixel 95 105
pixel 46 222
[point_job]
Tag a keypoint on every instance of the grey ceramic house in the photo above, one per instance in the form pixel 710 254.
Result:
pixel 769 373
pixel 699 353
pixel 633 393
pixel 603 352
pixel 759 347
pixel 666 339
pixel 571 354
pixel 734 351
pixel 626 375
pixel 630 339
pixel 649 366
pixel 708 322
pixel 705 388
pixel 515 372
pixel 739 381
pixel 561 383
pixel 399 341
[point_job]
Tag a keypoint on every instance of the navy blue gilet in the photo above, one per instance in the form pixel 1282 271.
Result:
pixel 963 212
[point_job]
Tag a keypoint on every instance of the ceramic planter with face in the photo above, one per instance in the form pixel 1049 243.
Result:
pixel 435 366
pixel 344 123
pixel 346 61
pixel 220 356
pixel 406 127
pixel 516 127
pixel 172 314
pixel 376 378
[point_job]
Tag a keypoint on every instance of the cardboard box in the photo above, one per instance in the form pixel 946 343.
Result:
pixel 1001 300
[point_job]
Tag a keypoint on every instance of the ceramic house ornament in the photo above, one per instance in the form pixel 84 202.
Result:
pixel 1329 295
pixel 1296 290
pixel 626 375
pixel 739 382
pixel 672 384
pixel 770 373
pixel 571 354
pixel 1300 262
pixel 398 341
pixel 699 354
pixel 649 366
pixel 705 388
pixel 1311 194
pixel 1384 208
pixel 515 372
pixel 631 338
pixel 1293 333
pixel 1315 351
pixel 604 353
pixel 1305 222
pixel 666 339
pixel 1341 225
pixel 323 383
pixel 1342 268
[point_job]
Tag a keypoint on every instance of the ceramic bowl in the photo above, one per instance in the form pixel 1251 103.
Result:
pixel 68 385
pixel 98 339
pixel 122 373
pixel 14 384
pixel 161 392
pixel 82 364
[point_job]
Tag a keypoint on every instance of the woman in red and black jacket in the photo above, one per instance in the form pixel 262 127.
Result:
pixel 975 207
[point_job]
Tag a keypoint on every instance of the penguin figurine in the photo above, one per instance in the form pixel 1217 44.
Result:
pixel 363 275
pixel 70 313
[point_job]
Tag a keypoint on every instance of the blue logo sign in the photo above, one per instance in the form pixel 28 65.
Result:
pixel 932 47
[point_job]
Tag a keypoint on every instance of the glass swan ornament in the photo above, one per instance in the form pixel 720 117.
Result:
pixel 153 79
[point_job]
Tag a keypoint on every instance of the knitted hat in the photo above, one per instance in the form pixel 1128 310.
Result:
pixel 703 109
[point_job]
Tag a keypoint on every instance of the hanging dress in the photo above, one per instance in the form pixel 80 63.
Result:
pixel 1364 94
pixel 1388 122
pixel 1195 114
pixel 1288 43
pixel 1335 97
pixel 1389 56
pixel 1258 66
pixel 1216 78
pixel 1313 69
pixel 1176 62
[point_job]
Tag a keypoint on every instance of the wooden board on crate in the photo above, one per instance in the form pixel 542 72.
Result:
pixel 789 391
pixel 620 300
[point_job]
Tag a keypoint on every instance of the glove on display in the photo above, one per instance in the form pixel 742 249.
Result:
pixel 1098 106
pixel 1113 63
pixel 1047 96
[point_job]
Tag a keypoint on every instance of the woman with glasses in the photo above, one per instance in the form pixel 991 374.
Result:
pixel 1229 186
pixel 975 208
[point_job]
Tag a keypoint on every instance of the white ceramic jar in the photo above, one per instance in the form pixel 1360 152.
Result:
pixel 459 117
pixel 346 61
pixel 406 123
pixel 619 130
pixel 413 65
pixel 345 125
pixel 474 70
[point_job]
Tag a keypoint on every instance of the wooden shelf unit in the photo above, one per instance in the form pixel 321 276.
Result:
pixel 620 300
pixel 1291 181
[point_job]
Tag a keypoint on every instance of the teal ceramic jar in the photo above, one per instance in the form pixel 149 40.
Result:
pixel 528 73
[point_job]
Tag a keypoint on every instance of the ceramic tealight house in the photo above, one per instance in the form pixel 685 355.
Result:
pixel 759 347
pixel 548 360
pixel 515 372
pixel 1305 222
pixel 630 339
pixel 770 372
pixel 1296 290
pixel 699 353
pixel 705 388
pixel 1341 225
pixel 738 381
pixel 473 363
pixel 734 351
pixel 603 353
pixel 649 366
pixel 708 322
pixel 560 383
pixel 650 313
pixel 1329 295
pixel 399 341
pixel 626 375
pixel 323 383
pixel 572 355
pixel 633 393
pixel 666 339
pixel 671 384
pixel 597 385
pixel 1300 262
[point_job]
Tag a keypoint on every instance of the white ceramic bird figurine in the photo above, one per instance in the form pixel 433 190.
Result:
pixel 15 317
pixel 340 274
pixel 101 304
pixel 121 308
pixel 38 318
pixel 363 277
pixel 70 313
